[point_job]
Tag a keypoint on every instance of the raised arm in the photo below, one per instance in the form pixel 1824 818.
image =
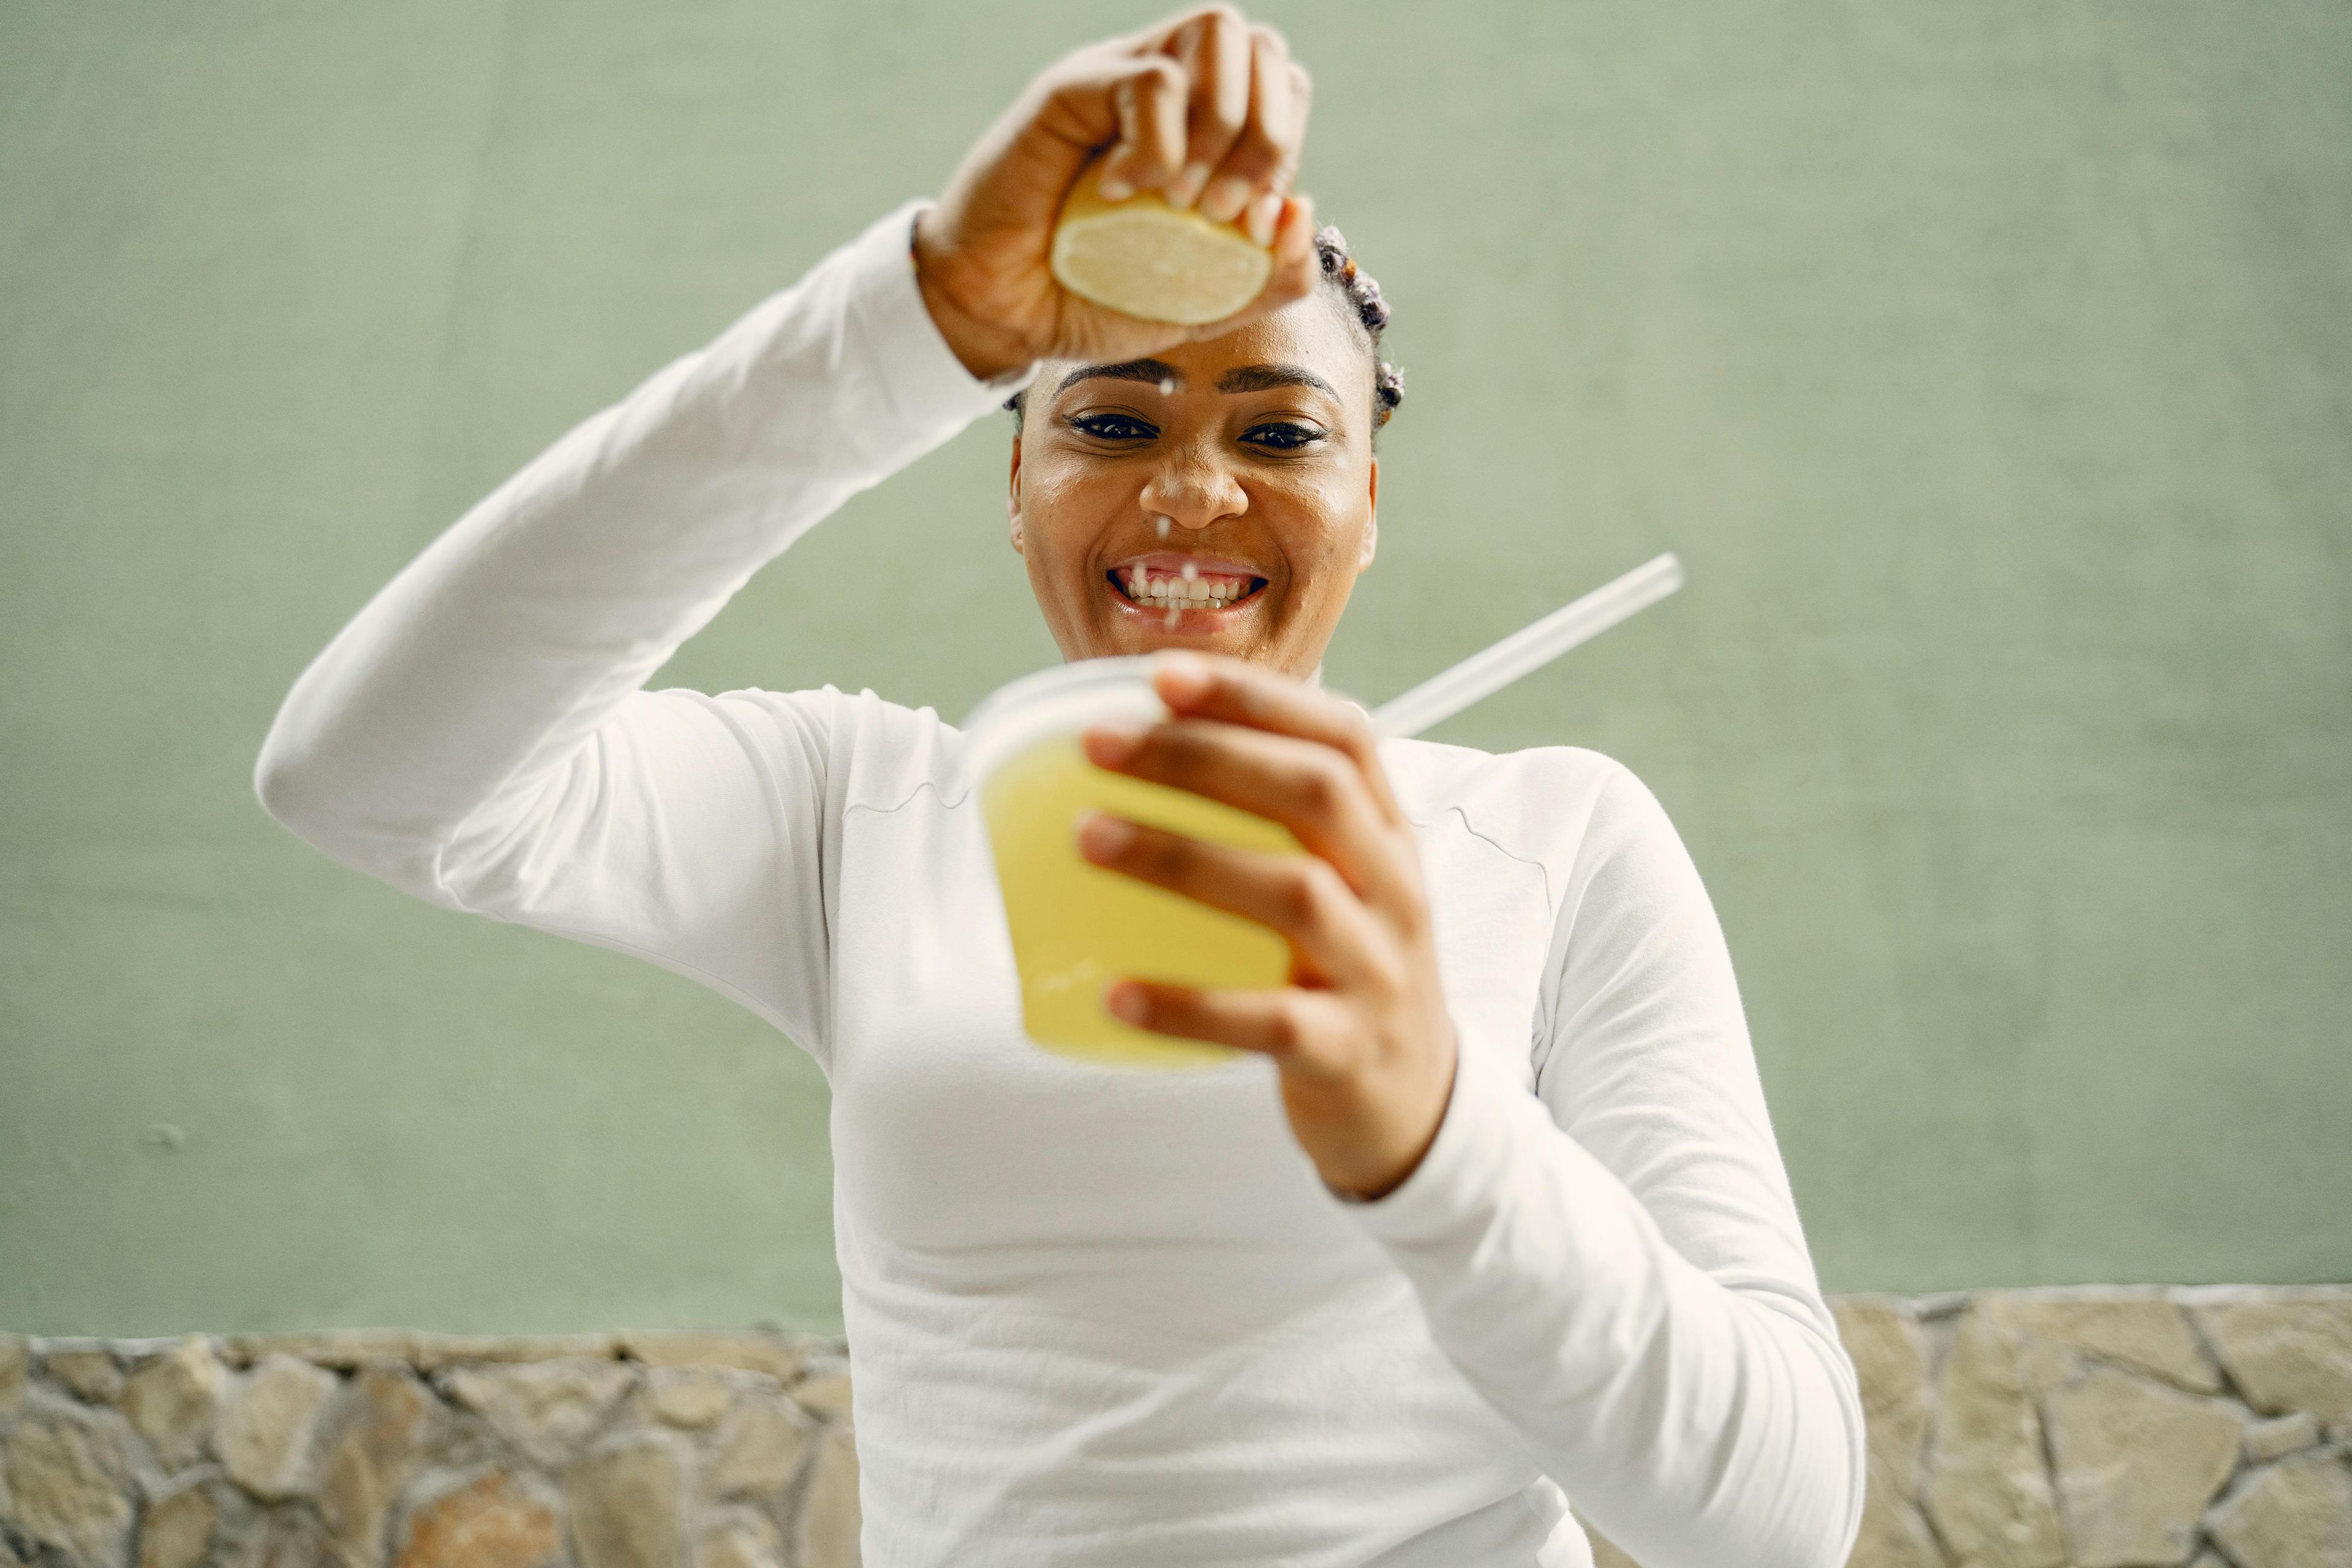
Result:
pixel 478 734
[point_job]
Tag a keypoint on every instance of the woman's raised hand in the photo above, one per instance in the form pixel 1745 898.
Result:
pixel 1205 108
pixel 1362 1037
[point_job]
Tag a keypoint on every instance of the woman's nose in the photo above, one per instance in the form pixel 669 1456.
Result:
pixel 1194 493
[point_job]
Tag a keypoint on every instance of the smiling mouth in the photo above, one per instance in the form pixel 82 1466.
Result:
pixel 1148 588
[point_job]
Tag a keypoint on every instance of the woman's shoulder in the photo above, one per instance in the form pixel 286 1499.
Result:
pixel 1541 803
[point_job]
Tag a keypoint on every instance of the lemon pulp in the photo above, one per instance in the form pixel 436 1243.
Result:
pixel 1077 927
pixel 1147 258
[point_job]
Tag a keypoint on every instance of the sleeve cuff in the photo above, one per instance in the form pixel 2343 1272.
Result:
pixel 927 385
pixel 1462 1165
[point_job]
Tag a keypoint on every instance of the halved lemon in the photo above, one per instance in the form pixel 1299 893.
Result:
pixel 1147 258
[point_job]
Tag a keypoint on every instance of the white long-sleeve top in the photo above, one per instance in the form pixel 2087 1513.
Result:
pixel 1102 1315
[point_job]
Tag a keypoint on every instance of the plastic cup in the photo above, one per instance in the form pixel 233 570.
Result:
pixel 1077 927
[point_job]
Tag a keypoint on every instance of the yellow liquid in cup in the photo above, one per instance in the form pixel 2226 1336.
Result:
pixel 1077 927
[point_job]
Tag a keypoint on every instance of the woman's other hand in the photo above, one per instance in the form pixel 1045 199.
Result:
pixel 1204 108
pixel 1362 1036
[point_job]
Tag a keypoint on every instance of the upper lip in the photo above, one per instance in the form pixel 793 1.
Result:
pixel 1173 561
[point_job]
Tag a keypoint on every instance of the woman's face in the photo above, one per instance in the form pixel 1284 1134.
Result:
pixel 1254 446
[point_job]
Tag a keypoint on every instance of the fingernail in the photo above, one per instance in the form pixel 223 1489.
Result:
pixel 1187 188
pixel 1126 1001
pixel 1102 837
pixel 1226 198
pixel 1264 215
pixel 1114 741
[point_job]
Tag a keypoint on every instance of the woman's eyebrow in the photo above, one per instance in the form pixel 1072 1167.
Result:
pixel 1149 370
pixel 1266 377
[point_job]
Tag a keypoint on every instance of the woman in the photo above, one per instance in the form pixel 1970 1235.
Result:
pixel 1490 1214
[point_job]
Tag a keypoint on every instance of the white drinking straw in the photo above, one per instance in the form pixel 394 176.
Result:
pixel 1483 674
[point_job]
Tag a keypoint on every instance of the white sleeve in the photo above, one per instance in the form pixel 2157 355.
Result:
pixel 1614 1262
pixel 478 735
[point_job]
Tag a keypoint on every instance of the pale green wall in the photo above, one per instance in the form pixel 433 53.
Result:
pixel 1991 365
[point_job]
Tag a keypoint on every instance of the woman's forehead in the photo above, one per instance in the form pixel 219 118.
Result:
pixel 1305 332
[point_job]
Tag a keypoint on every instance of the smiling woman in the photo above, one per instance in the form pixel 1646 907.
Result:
pixel 1484 1214
pixel 1257 570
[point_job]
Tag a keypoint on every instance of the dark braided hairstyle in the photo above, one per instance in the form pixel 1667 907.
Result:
pixel 1359 294
pixel 1362 292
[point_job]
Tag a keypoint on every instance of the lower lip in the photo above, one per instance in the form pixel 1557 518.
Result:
pixel 1187 617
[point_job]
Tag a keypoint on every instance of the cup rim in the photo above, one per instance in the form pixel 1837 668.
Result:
pixel 1057 701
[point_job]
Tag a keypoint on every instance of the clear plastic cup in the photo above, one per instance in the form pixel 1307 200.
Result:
pixel 1075 926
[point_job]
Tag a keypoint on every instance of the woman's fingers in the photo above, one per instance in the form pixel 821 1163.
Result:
pixel 1214 48
pixel 1298 897
pixel 1306 1032
pixel 1150 97
pixel 1213 687
pixel 1294 92
pixel 1244 117
pixel 1257 172
pixel 1313 790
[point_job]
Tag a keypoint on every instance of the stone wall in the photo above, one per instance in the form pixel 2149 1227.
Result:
pixel 2009 1429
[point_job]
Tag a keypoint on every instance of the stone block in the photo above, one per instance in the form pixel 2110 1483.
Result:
pixel 347 1349
pixel 285 1537
pixel 825 1533
pixel 175 1530
pixel 16 1360
pixel 89 1374
pixel 778 1357
pixel 1989 1495
pixel 758 1451
pixel 547 1409
pixel 692 1398
pixel 265 1433
pixel 342 1351
pixel 174 1399
pixel 2143 1330
pixel 2296 1514
pixel 627 1504
pixel 738 1538
pixel 1894 1534
pixel 379 1427
pixel 67 1476
pixel 492 1521
pixel 2268 1440
pixel 1890 1360
pixel 2286 1350
pixel 2137 1461
pixel 825 1396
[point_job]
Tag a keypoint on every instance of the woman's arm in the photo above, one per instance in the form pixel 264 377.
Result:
pixel 477 735
pixel 1614 1261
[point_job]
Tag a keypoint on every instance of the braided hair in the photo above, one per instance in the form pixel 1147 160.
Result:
pixel 1359 294
pixel 1362 292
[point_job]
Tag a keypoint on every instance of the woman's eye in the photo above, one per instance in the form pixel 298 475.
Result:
pixel 1113 427
pixel 1282 435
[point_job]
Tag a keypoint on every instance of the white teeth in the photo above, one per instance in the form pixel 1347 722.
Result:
pixel 1190 590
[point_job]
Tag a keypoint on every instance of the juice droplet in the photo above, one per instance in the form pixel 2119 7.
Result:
pixel 1166 386
pixel 1162 526
pixel 1191 572
pixel 1174 615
